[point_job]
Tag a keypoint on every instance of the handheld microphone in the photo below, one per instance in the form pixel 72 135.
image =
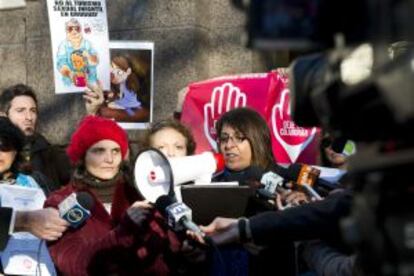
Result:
pixel 318 182
pixel 75 209
pixel 271 181
pixel 343 146
pixel 306 177
pixel 178 214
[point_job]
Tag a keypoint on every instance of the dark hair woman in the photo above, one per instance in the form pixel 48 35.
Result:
pixel 13 169
pixel 244 140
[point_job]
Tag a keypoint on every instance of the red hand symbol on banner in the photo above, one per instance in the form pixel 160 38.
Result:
pixel 292 138
pixel 223 98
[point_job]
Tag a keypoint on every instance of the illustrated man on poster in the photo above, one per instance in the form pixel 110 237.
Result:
pixel 73 52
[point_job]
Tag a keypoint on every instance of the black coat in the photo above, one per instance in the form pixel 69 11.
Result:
pixel 316 220
pixel 5 219
pixel 51 160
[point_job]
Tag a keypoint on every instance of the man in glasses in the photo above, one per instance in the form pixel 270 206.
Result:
pixel 76 42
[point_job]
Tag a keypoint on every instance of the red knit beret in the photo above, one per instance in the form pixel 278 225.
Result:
pixel 91 130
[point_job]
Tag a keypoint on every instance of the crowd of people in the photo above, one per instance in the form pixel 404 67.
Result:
pixel 125 234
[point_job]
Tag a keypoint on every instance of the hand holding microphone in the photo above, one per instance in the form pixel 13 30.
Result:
pixel 75 208
pixel 45 223
pixel 179 215
pixel 49 223
pixel 288 198
pixel 284 189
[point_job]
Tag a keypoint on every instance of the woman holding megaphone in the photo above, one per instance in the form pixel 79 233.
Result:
pixel 126 237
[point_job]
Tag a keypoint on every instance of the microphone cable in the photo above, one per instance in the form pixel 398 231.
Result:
pixel 38 268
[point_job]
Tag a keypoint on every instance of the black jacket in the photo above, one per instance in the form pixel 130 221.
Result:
pixel 5 218
pixel 316 220
pixel 50 160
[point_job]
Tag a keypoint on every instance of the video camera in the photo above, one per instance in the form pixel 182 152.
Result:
pixel 355 89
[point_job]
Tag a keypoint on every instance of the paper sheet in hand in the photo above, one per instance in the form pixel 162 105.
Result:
pixel 21 254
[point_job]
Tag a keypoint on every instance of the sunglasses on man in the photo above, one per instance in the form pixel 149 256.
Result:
pixel 71 28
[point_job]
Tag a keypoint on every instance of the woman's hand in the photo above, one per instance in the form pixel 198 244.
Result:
pixel 94 98
pixel 139 211
pixel 288 198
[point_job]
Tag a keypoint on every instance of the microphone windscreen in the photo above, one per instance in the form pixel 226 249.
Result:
pixel 162 203
pixel 338 145
pixel 85 200
pixel 293 172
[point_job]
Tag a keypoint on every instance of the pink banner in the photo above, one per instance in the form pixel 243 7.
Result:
pixel 266 93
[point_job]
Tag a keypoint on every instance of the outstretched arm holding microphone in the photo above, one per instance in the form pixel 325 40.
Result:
pixel 311 221
pixel 43 223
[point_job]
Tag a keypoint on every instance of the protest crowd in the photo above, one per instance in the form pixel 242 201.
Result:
pixel 284 168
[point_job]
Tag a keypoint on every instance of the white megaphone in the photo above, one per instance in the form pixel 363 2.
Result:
pixel 156 175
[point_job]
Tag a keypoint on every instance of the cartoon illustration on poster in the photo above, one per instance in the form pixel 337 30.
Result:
pixel 80 44
pixel 129 99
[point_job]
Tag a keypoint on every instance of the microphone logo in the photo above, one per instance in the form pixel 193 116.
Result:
pixel 75 208
pixel 308 175
pixel 75 215
pixel 271 181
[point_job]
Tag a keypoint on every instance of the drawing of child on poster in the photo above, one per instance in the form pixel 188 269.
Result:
pixel 127 81
pixel 129 100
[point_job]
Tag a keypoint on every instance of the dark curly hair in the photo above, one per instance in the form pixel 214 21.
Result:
pixel 176 125
pixel 11 135
pixel 11 138
pixel 14 91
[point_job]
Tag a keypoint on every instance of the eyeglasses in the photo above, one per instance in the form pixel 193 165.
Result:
pixel 238 139
pixel 118 72
pixel 71 28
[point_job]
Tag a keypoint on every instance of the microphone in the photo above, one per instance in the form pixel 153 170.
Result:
pixel 343 146
pixel 294 170
pixel 307 177
pixel 178 214
pixel 271 182
pixel 75 209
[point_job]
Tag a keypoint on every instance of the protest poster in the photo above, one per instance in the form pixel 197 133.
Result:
pixel 80 44
pixel 129 99
pixel 266 93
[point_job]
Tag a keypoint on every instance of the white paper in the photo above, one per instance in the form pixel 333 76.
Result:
pixel 21 255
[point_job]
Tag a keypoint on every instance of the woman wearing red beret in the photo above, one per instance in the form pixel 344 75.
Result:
pixel 134 239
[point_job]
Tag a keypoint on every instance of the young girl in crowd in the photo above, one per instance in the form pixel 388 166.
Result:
pixel 134 239
pixel 124 80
